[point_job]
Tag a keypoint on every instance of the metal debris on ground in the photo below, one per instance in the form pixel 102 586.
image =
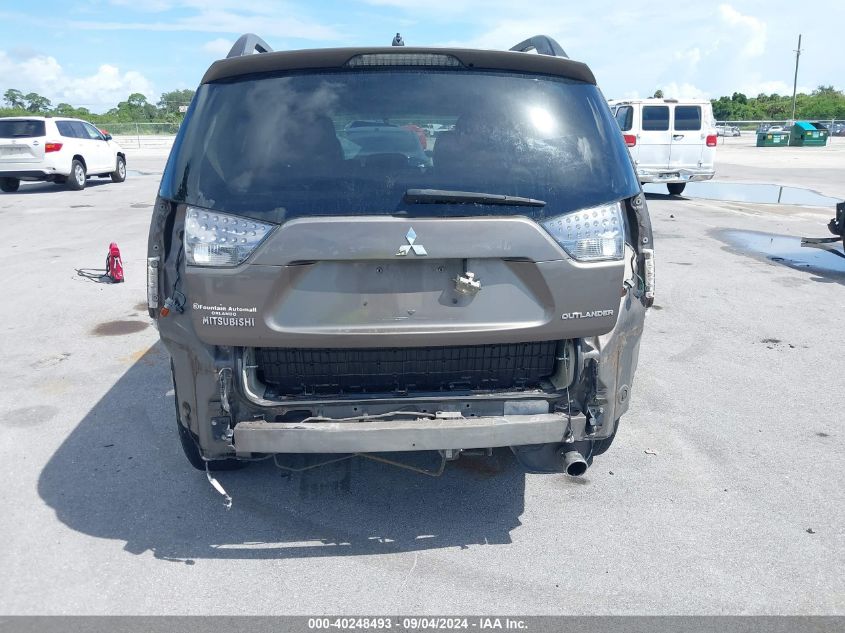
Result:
pixel 216 485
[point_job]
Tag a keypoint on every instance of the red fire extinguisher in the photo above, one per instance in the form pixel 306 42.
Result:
pixel 114 264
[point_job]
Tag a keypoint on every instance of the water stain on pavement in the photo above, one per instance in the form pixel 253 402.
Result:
pixel 29 416
pixel 785 250
pixel 119 328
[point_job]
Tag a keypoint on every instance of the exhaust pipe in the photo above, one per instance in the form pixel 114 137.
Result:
pixel 574 463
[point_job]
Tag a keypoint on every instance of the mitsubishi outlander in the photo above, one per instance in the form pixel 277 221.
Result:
pixel 329 288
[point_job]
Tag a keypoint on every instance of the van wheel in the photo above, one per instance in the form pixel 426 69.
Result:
pixel 119 174
pixel 189 443
pixel 76 180
pixel 675 188
pixel 9 184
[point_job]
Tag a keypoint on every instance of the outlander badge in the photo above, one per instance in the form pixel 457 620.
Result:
pixel 418 249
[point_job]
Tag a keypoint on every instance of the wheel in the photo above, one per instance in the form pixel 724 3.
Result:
pixel 601 446
pixel 189 442
pixel 676 188
pixel 76 180
pixel 9 184
pixel 119 174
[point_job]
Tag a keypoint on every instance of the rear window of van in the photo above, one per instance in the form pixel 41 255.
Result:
pixel 687 118
pixel 655 118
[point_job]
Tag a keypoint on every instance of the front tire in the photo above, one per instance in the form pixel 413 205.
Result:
pixel 676 188
pixel 78 175
pixel 9 185
pixel 189 442
pixel 119 173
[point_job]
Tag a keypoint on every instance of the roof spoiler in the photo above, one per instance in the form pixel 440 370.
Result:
pixel 250 43
pixel 543 44
pixel 247 44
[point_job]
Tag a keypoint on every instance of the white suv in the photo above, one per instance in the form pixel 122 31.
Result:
pixel 56 149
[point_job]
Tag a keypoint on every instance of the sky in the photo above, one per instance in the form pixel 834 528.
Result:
pixel 94 53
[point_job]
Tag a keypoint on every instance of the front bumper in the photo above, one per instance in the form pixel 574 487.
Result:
pixel 421 434
pixel 674 175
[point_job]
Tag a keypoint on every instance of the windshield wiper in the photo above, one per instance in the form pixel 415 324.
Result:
pixel 446 196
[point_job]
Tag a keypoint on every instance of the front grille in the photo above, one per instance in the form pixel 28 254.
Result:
pixel 402 370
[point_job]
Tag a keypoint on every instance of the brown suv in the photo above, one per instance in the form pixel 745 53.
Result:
pixel 319 293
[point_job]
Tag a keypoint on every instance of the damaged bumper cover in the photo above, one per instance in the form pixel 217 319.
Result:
pixel 674 175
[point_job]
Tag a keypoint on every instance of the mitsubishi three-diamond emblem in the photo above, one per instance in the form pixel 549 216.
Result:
pixel 418 249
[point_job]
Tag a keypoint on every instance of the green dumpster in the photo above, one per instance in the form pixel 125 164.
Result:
pixel 805 133
pixel 773 139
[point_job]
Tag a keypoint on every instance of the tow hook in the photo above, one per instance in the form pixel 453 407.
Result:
pixel 467 284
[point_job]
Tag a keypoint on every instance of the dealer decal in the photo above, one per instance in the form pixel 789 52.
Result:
pixel 227 316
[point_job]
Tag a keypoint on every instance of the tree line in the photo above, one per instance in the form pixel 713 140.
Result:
pixel 136 108
pixel 825 102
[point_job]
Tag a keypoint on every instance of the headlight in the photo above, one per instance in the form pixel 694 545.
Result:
pixel 220 239
pixel 590 235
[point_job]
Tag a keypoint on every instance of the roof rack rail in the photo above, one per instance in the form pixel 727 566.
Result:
pixel 543 44
pixel 247 44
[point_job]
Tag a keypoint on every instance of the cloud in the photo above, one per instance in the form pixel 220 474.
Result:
pixel 43 74
pixel 691 56
pixel 219 47
pixel 754 88
pixel 753 29
pixel 675 90
pixel 219 16
pixel 506 33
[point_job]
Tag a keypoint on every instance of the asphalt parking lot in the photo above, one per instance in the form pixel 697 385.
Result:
pixel 723 492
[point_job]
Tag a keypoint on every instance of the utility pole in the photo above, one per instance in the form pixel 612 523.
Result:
pixel 795 83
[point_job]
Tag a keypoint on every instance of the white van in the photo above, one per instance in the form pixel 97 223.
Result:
pixel 670 140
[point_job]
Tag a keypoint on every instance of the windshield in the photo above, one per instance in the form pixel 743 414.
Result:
pixel 353 142
pixel 21 128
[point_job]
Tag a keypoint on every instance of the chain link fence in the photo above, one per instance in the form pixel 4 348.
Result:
pixel 142 135
pixel 833 125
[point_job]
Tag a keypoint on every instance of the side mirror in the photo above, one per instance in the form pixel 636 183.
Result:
pixel 107 136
